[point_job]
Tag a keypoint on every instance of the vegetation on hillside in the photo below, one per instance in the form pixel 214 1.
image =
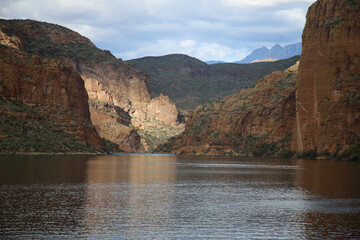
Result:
pixel 237 124
pixel 190 82
pixel 33 129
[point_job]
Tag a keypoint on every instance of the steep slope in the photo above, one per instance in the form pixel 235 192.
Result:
pixel 257 121
pixel 276 52
pixel 190 82
pixel 328 88
pixel 38 93
pixel 320 116
pixel 118 92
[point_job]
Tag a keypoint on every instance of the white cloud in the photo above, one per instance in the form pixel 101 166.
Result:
pixel 263 3
pixel 187 43
pixel 205 51
pixel 208 29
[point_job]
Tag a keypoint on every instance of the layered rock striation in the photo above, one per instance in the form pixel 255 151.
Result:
pixel 328 86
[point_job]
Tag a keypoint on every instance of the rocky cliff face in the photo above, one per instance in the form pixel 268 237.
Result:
pixel 328 87
pixel 162 109
pixel 256 121
pixel 321 115
pixel 33 81
pixel 111 83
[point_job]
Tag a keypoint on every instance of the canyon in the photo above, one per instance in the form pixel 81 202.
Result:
pixel 118 93
pixel 312 110
pixel 58 81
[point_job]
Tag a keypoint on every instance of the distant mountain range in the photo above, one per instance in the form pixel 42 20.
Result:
pixel 190 82
pixel 276 52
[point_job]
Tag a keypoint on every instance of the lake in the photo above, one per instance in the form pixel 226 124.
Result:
pixel 177 197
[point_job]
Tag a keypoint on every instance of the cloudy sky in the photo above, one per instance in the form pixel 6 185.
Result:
pixel 225 30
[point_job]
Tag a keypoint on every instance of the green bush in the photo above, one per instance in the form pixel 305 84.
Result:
pixel 351 154
pixel 285 153
pixel 265 149
pixel 310 154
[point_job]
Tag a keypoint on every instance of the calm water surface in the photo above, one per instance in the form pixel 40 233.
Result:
pixel 177 197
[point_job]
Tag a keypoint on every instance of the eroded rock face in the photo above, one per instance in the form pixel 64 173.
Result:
pixel 162 109
pixel 114 125
pixel 33 81
pixel 256 121
pixel 328 87
pixel 109 81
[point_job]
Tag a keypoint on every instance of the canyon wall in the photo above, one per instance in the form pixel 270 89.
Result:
pixel 32 81
pixel 257 121
pixel 328 85
pixel 318 116
pixel 116 90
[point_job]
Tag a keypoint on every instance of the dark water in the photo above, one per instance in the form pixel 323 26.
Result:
pixel 177 197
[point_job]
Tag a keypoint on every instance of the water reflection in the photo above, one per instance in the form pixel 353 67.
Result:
pixel 177 197
pixel 40 195
pixel 53 169
pixel 137 191
pixel 329 178
pixel 332 205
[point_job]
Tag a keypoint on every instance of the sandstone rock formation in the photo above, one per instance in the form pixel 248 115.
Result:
pixel 328 87
pixel 33 81
pixel 162 109
pixel 112 85
pixel 256 121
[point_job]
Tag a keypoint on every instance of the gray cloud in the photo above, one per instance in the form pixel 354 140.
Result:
pixel 206 29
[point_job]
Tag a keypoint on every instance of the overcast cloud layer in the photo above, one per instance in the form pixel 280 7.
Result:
pixel 225 30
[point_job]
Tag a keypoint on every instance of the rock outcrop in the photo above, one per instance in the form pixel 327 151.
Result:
pixel 162 109
pixel 112 85
pixel 328 86
pixel 33 81
pixel 256 121
pixel 13 42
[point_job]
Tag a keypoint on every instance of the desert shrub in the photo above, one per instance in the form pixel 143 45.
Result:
pixel 310 154
pixel 286 153
pixel 351 154
pixel 265 149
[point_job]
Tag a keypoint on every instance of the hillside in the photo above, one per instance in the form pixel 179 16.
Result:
pixel 190 82
pixel 276 52
pixel 118 93
pixel 43 105
pixel 312 109
pixel 256 121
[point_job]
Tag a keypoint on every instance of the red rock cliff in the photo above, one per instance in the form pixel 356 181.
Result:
pixel 110 82
pixel 257 121
pixel 32 81
pixel 328 86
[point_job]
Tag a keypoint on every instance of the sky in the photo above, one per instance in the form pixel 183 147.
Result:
pixel 226 30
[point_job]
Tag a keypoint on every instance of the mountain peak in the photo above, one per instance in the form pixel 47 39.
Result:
pixel 276 52
pixel 276 47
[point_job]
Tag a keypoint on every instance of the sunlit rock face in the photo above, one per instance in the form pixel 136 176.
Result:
pixel 328 86
pixel 116 90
